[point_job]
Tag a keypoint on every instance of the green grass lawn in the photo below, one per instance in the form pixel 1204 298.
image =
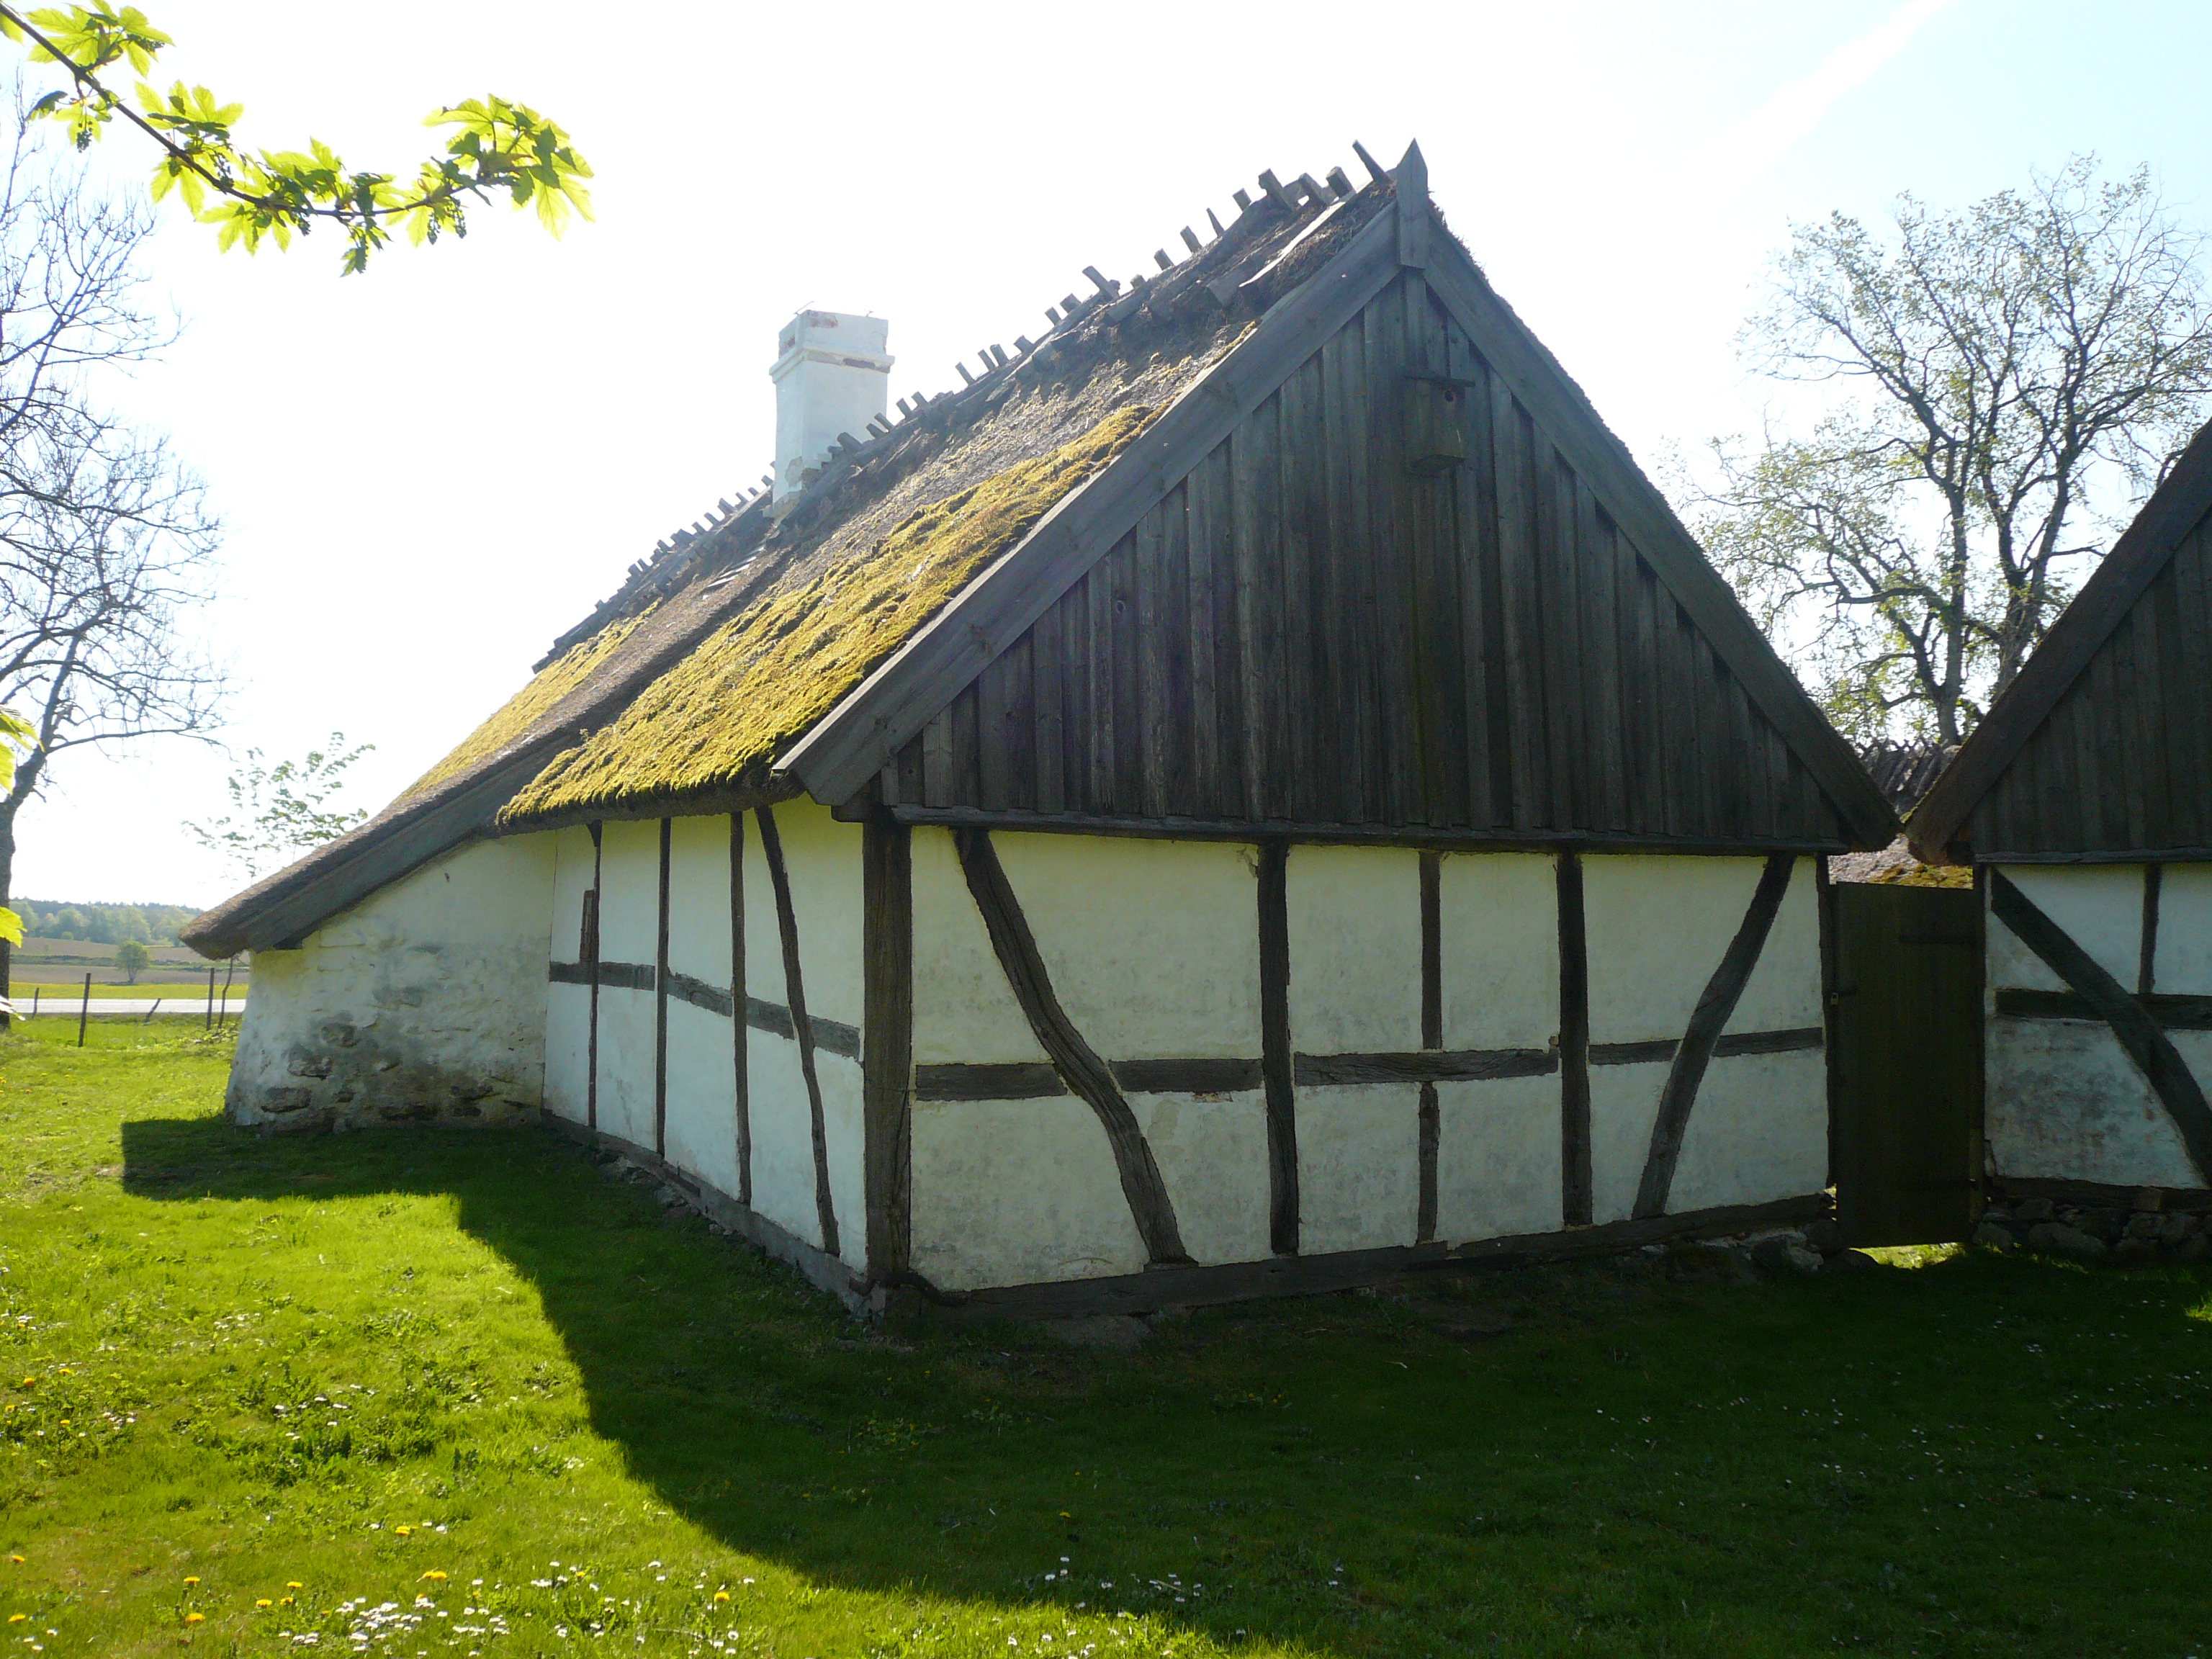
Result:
pixel 459 1393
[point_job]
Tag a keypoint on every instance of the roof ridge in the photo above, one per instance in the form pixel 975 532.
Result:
pixel 659 573
pixel 2173 509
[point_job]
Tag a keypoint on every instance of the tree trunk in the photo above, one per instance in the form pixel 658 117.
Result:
pixel 7 886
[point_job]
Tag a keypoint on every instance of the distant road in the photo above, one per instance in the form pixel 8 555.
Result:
pixel 66 1007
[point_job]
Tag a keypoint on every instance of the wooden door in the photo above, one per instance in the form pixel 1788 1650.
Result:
pixel 1905 1062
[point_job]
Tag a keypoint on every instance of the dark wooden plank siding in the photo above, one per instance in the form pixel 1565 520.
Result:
pixel 2123 762
pixel 1327 622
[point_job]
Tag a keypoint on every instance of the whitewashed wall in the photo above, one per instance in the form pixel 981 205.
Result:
pixel 1152 949
pixel 629 931
pixel 1656 927
pixel 703 1111
pixel 1355 918
pixel 568 1008
pixel 822 858
pixel 2062 1099
pixel 425 1001
pixel 1497 1141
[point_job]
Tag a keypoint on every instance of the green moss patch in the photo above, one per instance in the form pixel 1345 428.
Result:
pixel 565 674
pixel 721 716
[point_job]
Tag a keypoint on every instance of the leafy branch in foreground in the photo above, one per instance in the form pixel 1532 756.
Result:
pixel 280 811
pixel 496 145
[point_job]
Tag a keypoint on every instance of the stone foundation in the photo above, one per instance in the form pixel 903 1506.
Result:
pixel 2144 1234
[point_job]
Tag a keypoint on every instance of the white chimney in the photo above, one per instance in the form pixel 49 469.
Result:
pixel 831 375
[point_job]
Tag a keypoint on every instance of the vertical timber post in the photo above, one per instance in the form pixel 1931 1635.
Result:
pixel 591 954
pixel 84 1009
pixel 1576 1202
pixel 1432 1035
pixel 660 1004
pixel 1275 1060
pixel 741 1056
pixel 887 1043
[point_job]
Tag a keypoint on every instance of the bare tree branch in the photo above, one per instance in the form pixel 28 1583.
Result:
pixel 106 543
pixel 1992 373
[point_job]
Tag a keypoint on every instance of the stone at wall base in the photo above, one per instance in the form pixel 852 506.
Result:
pixel 2135 1252
pixel 1824 1235
pixel 1850 1262
pixel 2032 1210
pixel 2194 1248
pixel 2057 1238
pixel 1991 1237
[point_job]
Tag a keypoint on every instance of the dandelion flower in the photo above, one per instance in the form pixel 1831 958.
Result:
pixel 721 1596
pixel 403 1531
pixel 434 1576
pixel 195 1618
pixel 18 1559
pixel 293 1584
pixel 17 1618
pixel 191 1581
pixel 265 1602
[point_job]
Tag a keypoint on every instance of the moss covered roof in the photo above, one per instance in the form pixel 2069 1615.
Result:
pixel 720 717
pixel 570 672
pixel 721 649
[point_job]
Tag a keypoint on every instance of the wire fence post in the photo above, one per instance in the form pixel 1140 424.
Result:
pixel 230 967
pixel 210 1014
pixel 84 1010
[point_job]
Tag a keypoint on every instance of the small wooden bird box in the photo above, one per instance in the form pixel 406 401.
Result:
pixel 1435 423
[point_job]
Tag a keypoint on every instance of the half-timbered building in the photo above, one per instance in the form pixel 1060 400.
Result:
pixel 2084 802
pixel 1256 790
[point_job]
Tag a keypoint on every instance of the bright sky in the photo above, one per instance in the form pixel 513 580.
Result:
pixel 429 472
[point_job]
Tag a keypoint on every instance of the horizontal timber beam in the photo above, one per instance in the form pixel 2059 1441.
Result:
pixel 830 1036
pixel 1326 835
pixel 2173 1013
pixel 939 1082
pixel 1314 1275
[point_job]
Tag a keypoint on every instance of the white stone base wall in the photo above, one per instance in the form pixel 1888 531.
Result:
pixel 425 1002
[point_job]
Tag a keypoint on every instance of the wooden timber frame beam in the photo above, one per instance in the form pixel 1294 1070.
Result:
pixel 1315 1275
pixel 887 1046
pixel 2139 1033
pixel 587 948
pixel 741 1026
pixel 660 1000
pixel 1707 1020
pixel 794 991
pixel 1085 1073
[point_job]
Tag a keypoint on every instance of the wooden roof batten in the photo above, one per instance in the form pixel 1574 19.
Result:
pixel 2176 508
pixel 838 759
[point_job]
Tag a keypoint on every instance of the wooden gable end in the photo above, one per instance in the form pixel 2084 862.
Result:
pixel 2122 763
pixel 1385 601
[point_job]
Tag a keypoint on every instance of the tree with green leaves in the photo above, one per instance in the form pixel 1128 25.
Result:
pixel 277 812
pixel 494 146
pixel 132 957
pixel 1995 389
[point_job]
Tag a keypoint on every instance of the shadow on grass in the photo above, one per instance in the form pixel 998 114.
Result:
pixel 1370 1475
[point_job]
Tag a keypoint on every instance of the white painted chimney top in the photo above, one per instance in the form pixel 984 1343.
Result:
pixel 831 375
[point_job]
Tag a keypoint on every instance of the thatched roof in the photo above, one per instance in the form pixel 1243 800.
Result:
pixel 737 635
